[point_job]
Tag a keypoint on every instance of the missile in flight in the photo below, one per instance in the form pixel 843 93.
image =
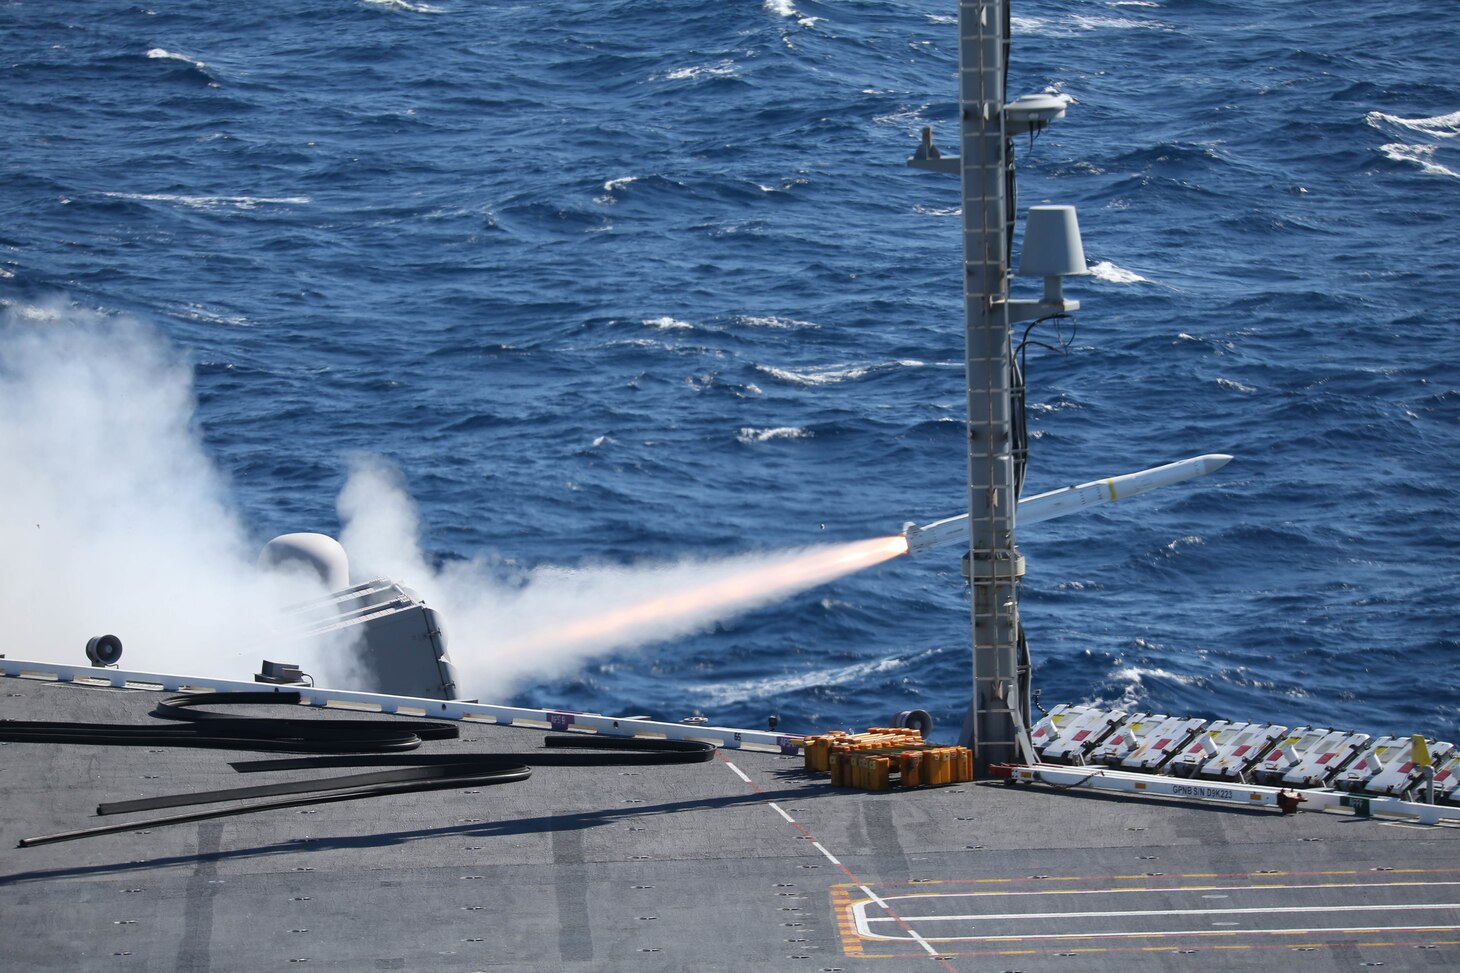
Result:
pixel 1068 500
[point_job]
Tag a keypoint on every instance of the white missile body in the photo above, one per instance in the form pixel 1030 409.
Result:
pixel 1068 500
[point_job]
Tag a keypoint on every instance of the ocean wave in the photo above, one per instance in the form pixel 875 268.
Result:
pixel 611 187
pixel 922 210
pixel 213 202
pixel 827 376
pixel 1421 155
pixel 201 67
pixel 1135 675
pixel 1131 681
pixel 749 435
pixel 725 694
pixel 1089 22
pixel 1443 126
pixel 907 116
pixel 1112 274
pixel 1081 23
pixel 158 54
pixel 406 5
pixel 835 373
pixel 773 321
pixel 725 69
pixel 205 315
pixel 666 323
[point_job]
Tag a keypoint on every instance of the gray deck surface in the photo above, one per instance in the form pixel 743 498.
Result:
pixel 688 868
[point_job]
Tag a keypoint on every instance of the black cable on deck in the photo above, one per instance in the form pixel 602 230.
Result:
pixel 200 728
pixel 351 743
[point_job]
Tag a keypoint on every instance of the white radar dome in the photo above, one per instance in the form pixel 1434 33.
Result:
pixel 320 552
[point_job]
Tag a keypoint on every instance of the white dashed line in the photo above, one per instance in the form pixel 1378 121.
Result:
pixel 829 856
pixel 738 772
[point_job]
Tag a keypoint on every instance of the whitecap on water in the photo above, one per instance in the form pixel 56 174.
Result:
pixel 161 54
pixel 825 376
pixel 1087 22
pixel 729 693
pixel 725 69
pixel 213 202
pixel 1113 274
pixel 908 116
pixel 1138 674
pixel 773 321
pixel 1046 27
pixel 835 373
pixel 158 54
pixel 749 436
pixel 406 5
pixel 1421 155
pixel 1132 681
pixel 1442 126
pixel 666 323
pixel 612 186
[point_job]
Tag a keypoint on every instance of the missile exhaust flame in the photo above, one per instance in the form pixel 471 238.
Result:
pixel 738 585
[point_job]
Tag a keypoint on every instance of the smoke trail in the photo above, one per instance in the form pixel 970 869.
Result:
pixel 114 518
pixel 555 618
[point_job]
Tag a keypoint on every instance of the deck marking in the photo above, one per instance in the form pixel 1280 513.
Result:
pixel 860 940
pixel 1174 888
pixel 1304 931
pixel 1110 878
pixel 923 942
pixel 829 856
pixel 777 808
pixel 842 913
pixel 874 896
pixel 1166 949
pixel 1263 910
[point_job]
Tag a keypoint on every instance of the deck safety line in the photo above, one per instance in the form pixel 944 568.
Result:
pixel 932 953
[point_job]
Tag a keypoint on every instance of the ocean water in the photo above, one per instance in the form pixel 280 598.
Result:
pixel 626 282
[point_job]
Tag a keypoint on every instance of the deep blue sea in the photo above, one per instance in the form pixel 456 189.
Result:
pixel 633 281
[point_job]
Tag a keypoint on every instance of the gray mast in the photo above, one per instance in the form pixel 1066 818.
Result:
pixel 997 714
pixel 994 564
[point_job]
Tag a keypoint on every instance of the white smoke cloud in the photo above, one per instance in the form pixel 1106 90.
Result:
pixel 112 517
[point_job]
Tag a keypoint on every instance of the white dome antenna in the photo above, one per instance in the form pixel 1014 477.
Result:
pixel 319 552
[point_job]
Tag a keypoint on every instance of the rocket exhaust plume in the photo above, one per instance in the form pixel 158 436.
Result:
pixel 750 582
